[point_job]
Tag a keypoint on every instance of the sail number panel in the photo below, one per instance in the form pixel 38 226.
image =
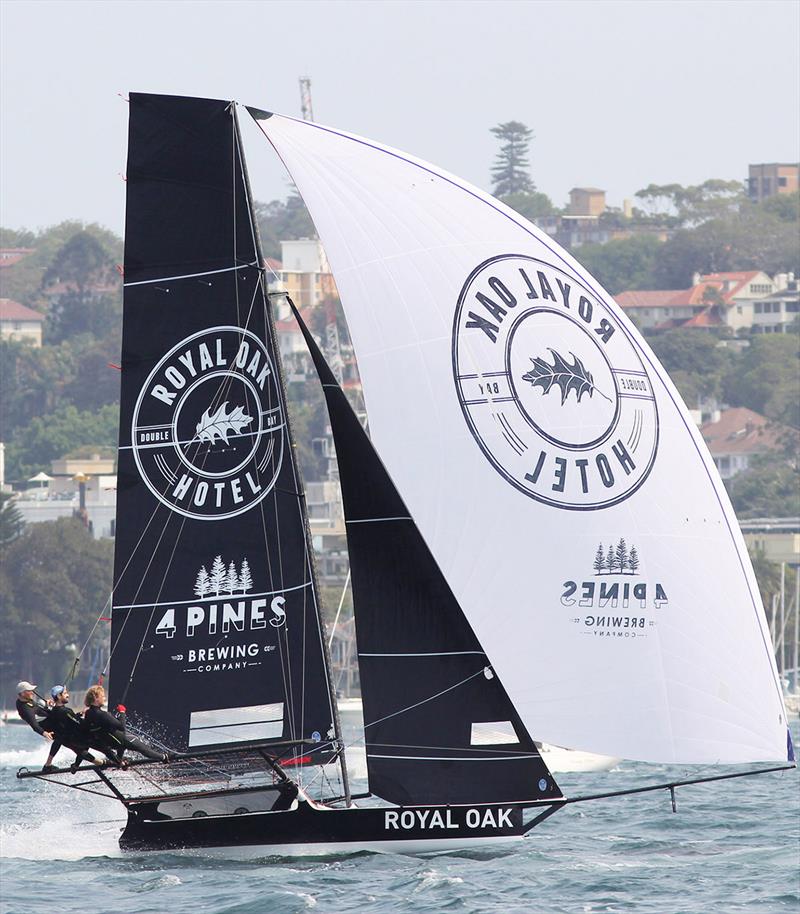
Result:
pixel 208 430
pixel 552 389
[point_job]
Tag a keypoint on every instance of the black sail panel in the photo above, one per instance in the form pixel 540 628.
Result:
pixel 216 635
pixel 439 726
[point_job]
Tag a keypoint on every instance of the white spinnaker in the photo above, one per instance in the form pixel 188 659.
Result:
pixel 685 674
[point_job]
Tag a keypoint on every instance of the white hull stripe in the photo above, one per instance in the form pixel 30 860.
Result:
pixel 147 282
pixel 389 846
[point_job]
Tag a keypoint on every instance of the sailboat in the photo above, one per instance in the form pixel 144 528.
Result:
pixel 540 546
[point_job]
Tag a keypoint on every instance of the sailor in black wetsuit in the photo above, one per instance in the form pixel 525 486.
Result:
pixel 106 732
pixel 30 707
pixel 67 729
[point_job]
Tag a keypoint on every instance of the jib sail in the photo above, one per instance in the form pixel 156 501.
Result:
pixel 216 634
pixel 438 725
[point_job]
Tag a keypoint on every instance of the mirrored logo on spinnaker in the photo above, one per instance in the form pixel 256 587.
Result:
pixel 553 391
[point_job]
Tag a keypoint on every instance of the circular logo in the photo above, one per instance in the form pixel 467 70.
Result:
pixel 552 389
pixel 207 430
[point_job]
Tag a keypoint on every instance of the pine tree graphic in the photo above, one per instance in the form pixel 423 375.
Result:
pixel 633 560
pixel 611 562
pixel 245 578
pixel 232 579
pixel 218 576
pixel 621 556
pixel 599 560
pixel 202 586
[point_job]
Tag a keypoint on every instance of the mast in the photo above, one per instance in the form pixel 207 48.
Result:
pixel 312 565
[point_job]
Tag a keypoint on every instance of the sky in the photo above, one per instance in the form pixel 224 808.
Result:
pixel 619 94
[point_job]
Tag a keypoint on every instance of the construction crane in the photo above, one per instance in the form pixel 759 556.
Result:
pixel 333 350
pixel 306 110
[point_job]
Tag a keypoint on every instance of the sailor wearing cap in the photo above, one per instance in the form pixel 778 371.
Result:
pixel 30 707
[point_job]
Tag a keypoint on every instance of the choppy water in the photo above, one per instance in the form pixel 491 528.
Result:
pixel 733 847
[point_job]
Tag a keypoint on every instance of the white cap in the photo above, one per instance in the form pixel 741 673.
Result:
pixel 25 686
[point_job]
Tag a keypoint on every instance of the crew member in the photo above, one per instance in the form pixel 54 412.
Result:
pixel 31 706
pixel 67 730
pixel 107 731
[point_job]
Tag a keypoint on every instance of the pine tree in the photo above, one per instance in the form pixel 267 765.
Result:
pixel 599 560
pixel 633 560
pixel 232 579
pixel 202 585
pixel 245 578
pixel 218 575
pixel 510 171
pixel 621 558
pixel 611 562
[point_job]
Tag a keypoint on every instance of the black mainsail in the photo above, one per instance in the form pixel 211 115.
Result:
pixel 216 630
pixel 438 724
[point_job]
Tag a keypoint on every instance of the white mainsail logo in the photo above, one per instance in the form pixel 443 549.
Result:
pixel 207 431
pixel 551 386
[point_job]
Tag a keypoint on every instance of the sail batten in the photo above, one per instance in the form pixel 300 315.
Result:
pixel 547 461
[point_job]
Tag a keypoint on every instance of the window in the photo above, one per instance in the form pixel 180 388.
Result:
pixel 759 307
pixel 793 306
pixel 782 182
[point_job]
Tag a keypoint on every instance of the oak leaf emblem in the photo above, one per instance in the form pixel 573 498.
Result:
pixel 562 375
pixel 220 424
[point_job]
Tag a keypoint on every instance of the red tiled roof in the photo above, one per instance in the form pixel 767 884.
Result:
pixel 665 298
pixel 708 318
pixel 743 431
pixel 737 280
pixel 14 311
pixel 10 256
pixel 646 298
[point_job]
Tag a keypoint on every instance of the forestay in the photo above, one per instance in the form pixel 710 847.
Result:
pixel 216 636
pixel 547 460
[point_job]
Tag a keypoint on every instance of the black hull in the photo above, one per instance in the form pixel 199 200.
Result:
pixel 311 829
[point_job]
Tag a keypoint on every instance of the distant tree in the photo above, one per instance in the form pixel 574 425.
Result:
pixel 530 205
pixel 54 435
pixel 232 579
pixel 218 576
pixel 283 220
pixel 510 173
pixel 694 361
pixel 785 207
pixel 611 560
pixel 633 560
pixel 622 263
pixel 599 560
pixel 56 579
pixel 202 585
pixel 11 522
pixel 769 487
pixel 765 378
pixel 245 578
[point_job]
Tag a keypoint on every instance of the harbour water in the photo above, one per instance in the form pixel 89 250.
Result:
pixel 732 847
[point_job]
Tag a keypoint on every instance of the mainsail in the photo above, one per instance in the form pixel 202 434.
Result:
pixel 438 725
pixel 216 634
pixel 548 462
